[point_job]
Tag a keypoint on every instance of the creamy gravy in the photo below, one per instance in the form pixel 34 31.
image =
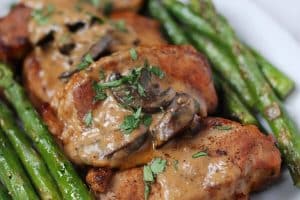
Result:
pixel 52 62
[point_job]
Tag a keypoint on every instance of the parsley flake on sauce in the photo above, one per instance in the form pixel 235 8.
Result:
pixel 223 127
pixel 131 122
pixel 133 54
pixel 86 61
pixel 41 16
pixel 199 154
pixel 150 171
pixel 88 118
pixel 156 71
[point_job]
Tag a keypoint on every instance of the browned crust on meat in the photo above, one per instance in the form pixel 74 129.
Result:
pixel 33 82
pixel 50 119
pixel 14 42
pixel 147 30
pixel 252 145
pixel 254 153
pixel 98 179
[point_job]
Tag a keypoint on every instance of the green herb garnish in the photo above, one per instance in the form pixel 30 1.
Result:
pixel 131 122
pixel 100 93
pixel 133 54
pixel 88 118
pixel 120 25
pixel 102 74
pixel 107 7
pixel 147 120
pixel 158 165
pixel 157 71
pixel 150 172
pixel 175 164
pixel 223 127
pixel 141 90
pixel 131 78
pixel 199 154
pixel 95 3
pixel 85 62
pixel 148 175
pixel 147 190
pixel 41 16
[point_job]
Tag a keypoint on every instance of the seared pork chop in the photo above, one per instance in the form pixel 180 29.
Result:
pixel 176 87
pixel 147 30
pixel 14 42
pixel 238 159
pixel 63 43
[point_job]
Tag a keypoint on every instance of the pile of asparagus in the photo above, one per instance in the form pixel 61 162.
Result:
pixel 249 83
pixel 32 165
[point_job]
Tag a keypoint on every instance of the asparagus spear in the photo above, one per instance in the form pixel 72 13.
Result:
pixel 267 102
pixel 280 82
pixel 68 181
pixel 175 34
pixel 224 64
pixel 233 107
pixel 4 193
pixel 12 174
pixel 34 165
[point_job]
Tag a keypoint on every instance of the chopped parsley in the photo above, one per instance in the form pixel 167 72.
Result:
pixel 133 121
pixel 120 25
pixel 223 127
pixel 158 165
pixel 175 164
pixel 41 16
pixel 102 74
pixel 141 90
pixel 86 61
pixel 148 175
pixel 147 190
pixel 147 120
pixel 88 118
pixel 133 54
pixel 100 93
pixel 95 3
pixel 157 71
pixel 108 7
pixel 150 171
pixel 199 154
pixel 132 78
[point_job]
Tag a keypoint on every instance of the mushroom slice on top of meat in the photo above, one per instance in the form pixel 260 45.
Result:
pixel 109 110
pixel 149 93
pixel 178 117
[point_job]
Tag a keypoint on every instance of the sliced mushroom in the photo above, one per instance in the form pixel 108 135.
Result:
pixel 74 27
pixel 46 40
pixel 155 96
pixel 100 48
pixel 66 49
pixel 178 116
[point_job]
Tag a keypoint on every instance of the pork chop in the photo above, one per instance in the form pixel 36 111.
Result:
pixel 236 160
pixel 176 87
pixel 14 42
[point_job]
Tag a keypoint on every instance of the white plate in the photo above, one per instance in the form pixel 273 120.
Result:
pixel 257 29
